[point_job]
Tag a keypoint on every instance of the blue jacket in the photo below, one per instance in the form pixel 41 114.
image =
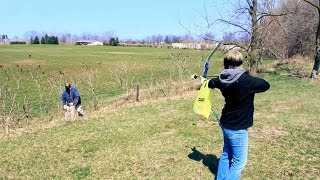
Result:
pixel 73 97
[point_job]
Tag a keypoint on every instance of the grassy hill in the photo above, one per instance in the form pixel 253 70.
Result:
pixel 161 138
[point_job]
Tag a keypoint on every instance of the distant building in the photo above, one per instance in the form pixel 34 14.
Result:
pixel 83 42
pixel 204 45
pixel 194 45
pixel 89 43
pixel 96 43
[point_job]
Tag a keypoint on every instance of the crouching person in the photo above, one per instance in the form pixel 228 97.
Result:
pixel 71 101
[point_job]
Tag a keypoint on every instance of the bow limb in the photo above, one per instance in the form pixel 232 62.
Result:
pixel 207 63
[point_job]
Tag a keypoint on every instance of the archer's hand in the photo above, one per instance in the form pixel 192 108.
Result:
pixel 202 79
pixel 65 107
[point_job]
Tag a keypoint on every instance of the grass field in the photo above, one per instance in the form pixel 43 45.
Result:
pixel 159 138
pixel 100 73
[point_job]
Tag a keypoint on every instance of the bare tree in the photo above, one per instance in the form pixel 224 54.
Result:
pixel 249 17
pixel 293 34
pixel 315 70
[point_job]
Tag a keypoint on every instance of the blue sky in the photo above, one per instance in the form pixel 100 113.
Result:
pixel 127 18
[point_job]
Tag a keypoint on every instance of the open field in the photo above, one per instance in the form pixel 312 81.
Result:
pixel 100 73
pixel 155 138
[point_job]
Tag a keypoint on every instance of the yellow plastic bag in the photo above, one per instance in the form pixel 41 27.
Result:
pixel 203 103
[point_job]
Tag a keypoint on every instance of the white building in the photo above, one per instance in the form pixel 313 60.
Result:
pixel 96 43
pixel 194 45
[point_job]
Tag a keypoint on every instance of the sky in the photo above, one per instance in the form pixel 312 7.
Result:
pixel 127 18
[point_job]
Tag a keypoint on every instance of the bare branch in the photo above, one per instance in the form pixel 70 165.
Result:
pixel 206 14
pixel 312 4
pixel 188 30
pixel 271 15
pixel 236 25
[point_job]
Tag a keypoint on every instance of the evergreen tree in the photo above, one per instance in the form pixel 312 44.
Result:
pixel 36 40
pixel 56 40
pixel 50 39
pixel 112 42
pixel 117 41
pixel 167 40
pixel 46 39
pixel 42 40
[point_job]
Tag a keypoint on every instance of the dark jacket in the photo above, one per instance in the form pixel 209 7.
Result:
pixel 71 97
pixel 238 88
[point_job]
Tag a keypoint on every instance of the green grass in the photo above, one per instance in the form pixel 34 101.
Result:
pixel 154 139
pixel 49 67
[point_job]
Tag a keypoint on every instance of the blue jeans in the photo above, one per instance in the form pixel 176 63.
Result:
pixel 234 155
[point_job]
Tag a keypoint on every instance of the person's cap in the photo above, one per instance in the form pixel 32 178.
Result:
pixel 67 85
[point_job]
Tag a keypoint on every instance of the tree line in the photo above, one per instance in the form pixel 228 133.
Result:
pixel 44 40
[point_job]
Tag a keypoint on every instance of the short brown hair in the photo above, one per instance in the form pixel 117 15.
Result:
pixel 232 59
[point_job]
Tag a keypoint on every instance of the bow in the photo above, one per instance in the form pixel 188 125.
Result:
pixel 205 74
pixel 207 63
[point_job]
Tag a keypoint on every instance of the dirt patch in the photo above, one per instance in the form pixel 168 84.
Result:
pixel 284 106
pixel 268 134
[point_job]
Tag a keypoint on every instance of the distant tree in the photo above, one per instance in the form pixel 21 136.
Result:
pixel 4 37
pixel 229 37
pixel 107 35
pixel 50 40
pixel 167 40
pixel 159 39
pixel 29 34
pixel 176 39
pixel 46 39
pixel 117 41
pixel 53 40
pixel 42 40
pixel 114 42
pixel 36 40
pixel 57 40
pixel 208 36
pixel 315 69
pixel 187 38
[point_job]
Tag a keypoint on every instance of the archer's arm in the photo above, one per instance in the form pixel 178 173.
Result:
pixel 213 83
pixel 63 98
pixel 76 96
pixel 258 85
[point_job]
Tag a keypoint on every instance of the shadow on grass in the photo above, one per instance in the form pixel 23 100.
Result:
pixel 209 160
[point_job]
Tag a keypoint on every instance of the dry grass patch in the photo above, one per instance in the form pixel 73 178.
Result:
pixel 159 93
pixel 268 134
pixel 30 62
pixel 281 106
pixel 294 67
